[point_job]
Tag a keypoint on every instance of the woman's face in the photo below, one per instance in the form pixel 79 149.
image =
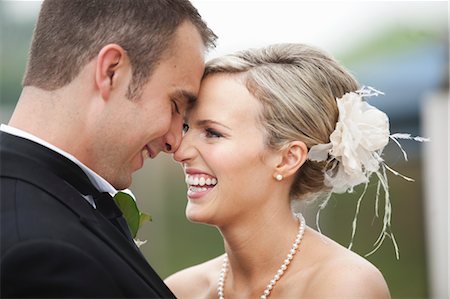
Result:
pixel 229 169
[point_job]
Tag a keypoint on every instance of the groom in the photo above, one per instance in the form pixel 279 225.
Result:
pixel 106 85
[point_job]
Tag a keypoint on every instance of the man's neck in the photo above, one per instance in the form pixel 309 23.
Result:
pixel 49 116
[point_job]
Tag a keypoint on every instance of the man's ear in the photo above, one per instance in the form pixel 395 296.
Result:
pixel 293 157
pixel 109 60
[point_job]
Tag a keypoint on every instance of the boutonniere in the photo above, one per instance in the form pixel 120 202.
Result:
pixel 126 202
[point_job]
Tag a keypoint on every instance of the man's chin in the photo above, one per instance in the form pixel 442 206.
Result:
pixel 122 183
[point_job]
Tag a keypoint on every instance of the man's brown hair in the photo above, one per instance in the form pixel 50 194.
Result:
pixel 70 33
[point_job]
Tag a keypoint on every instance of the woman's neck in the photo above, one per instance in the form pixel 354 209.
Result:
pixel 256 247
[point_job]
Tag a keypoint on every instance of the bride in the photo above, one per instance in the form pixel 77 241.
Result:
pixel 269 128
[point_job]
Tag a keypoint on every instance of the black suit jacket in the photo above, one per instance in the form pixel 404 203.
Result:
pixel 53 242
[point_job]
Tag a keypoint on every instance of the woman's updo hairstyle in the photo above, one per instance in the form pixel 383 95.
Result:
pixel 297 85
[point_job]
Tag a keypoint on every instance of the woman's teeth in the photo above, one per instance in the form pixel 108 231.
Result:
pixel 200 181
pixel 196 189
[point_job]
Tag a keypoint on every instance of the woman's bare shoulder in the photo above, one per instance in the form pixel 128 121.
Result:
pixel 196 281
pixel 343 273
pixel 351 277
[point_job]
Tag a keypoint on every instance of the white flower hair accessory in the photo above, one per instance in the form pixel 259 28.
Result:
pixel 354 154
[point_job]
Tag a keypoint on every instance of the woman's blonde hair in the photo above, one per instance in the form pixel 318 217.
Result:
pixel 297 85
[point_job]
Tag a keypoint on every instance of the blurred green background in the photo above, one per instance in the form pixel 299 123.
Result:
pixel 405 55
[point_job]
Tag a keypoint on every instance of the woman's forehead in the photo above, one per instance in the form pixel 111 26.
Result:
pixel 225 97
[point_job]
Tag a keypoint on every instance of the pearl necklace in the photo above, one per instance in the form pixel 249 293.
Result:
pixel 280 272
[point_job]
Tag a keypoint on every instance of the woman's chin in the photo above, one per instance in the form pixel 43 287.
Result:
pixel 194 215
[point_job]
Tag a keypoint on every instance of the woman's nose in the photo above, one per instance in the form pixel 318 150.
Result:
pixel 185 151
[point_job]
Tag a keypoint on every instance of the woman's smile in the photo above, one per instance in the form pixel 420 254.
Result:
pixel 199 184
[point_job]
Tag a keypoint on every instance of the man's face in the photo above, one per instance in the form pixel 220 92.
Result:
pixel 142 128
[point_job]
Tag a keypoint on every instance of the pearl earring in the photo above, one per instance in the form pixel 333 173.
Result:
pixel 279 177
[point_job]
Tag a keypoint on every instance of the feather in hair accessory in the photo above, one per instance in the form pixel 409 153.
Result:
pixel 354 154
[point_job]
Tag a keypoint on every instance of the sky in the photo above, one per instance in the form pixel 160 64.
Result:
pixel 332 25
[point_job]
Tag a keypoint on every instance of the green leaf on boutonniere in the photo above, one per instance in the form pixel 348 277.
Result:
pixel 144 218
pixel 135 218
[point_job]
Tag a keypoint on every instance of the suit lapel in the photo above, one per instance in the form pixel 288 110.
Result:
pixel 134 258
pixel 15 154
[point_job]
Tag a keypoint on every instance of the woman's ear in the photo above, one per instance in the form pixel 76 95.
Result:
pixel 293 157
pixel 109 60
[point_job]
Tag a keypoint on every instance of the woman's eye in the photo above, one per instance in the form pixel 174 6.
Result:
pixel 211 133
pixel 185 128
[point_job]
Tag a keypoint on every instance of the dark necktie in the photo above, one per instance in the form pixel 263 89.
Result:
pixel 104 202
pixel 107 207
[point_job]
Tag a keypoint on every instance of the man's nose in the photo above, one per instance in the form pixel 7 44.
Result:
pixel 173 137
